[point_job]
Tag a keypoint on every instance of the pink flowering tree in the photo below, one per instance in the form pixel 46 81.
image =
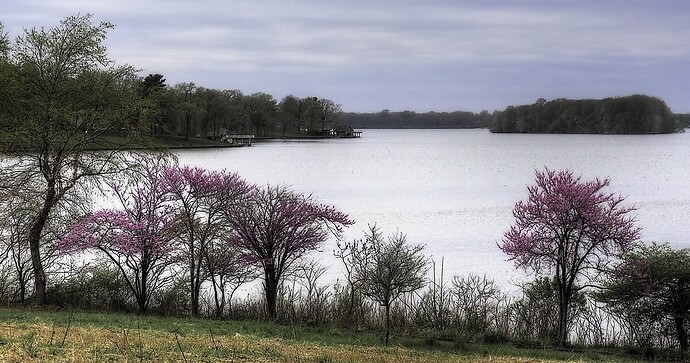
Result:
pixel 199 196
pixel 276 227
pixel 135 238
pixel 569 229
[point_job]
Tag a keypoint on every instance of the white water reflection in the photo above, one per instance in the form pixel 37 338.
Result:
pixel 454 190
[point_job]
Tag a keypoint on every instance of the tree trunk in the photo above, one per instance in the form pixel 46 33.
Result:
pixel 681 333
pixel 143 291
pixel 22 289
pixel 188 127
pixel 216 298
pixel 388 323
pixel 194 284
pixel 271 289
pixel 563 321
pixel 35 246
pixel 351 308
pixel 141 304
pixel 195 298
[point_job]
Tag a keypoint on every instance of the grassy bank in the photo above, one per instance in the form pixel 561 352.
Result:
pixel 62 336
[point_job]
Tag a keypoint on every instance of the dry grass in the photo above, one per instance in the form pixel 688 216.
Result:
pixel 37 342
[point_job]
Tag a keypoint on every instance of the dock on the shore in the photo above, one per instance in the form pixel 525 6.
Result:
pixel 244 140
pixel 346 132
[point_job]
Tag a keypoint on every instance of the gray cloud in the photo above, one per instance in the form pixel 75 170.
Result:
pixel 371 55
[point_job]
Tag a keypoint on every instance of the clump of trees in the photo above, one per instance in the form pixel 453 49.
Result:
pixel 412 120
pixel 190 111
pixel 181 220
pixel 636 114
pixel 650 290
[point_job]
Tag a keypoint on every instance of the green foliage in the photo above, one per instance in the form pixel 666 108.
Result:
pixel 683 120
pixel 636 114
pixel 63 97
pixel 94 288
pixel 650 288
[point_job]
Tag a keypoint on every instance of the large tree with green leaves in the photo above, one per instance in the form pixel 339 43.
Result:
pixel 152 91
pixel 63 98
pixel 290 113
pixel 652 283
pixel 261 109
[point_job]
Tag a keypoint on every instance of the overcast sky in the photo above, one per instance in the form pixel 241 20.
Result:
pixel 398 54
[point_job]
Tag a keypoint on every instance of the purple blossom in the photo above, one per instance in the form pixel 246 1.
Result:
pixel 569 229
pixel 136 238
pixel 276 227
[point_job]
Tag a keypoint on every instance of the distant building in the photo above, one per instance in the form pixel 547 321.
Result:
pixel 226 135
pixel 345 132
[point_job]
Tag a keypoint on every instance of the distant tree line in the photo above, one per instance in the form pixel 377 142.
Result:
pixel 683 119
pixel 636 114
pixel 413 120
pixel 188 110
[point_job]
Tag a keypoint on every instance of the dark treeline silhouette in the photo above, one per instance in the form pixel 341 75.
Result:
pixel 636 114
pixel 683 119
pixel 188 110
pixel 412 120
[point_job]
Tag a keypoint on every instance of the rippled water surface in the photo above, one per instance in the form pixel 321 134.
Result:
pixel 454 190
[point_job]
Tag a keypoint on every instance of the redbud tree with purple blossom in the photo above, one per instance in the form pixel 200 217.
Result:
pixel 199 196
pixel 276 228
pixel 569 229
pixel 137 238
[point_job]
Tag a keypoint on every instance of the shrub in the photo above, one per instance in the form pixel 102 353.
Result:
pixel 96 287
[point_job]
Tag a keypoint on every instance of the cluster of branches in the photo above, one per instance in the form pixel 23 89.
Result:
pixel 208 226
pixel 636 114
pixel 413 120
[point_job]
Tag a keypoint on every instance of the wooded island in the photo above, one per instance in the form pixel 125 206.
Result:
pixel 636 114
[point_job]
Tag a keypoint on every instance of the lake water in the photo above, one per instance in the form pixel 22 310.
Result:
pixel 454 190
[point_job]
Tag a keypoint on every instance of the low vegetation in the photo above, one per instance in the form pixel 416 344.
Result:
pixel 64 336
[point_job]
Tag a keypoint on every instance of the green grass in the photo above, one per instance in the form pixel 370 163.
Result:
pixel 30 334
